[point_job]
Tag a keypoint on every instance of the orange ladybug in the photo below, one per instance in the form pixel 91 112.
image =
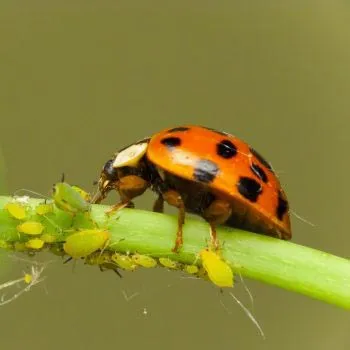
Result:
pixel 202 171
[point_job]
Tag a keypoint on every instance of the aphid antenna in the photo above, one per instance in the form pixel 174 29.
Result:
pixel 129 297
pixel 116 243
pixel 30 262
pixel 249 314
pixel 26 191
pixel 250 295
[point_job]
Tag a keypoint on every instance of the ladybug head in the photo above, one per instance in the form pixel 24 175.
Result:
pixel 107 181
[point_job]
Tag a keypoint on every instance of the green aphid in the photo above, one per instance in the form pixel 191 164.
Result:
pixel 144 260
pixel 48 238
pixel 57 222
pixel 191 269
pixel 35 244
pixel 85 195
pixel 69 199
pixel 103 260
pixel 44 209
pixel 31 228
pixel 219 272
pixel 16 210
pixel 170 264
pixel 83 243
pixel 83 221
pixel 98 258
pixel 124 261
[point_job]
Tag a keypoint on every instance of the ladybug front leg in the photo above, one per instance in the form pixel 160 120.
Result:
pixel 174 199
pixel 129 187
pixel 215 214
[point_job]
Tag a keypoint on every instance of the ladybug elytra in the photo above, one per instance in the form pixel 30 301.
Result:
pixel 201 171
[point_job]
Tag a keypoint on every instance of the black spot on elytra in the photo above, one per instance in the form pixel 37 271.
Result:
pixel 171 142
pixel 216 131
pixel 261 159
pixel 226 149
pixel 259 172
pixel 249 188
pixel 205 171
pixel 282 206
pixel 180 128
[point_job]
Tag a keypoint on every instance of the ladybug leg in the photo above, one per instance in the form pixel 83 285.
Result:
pixel 98 198
pixel 174 199
pixel 158 205
pixel 120 206
pixel 215 214
pixel 129 187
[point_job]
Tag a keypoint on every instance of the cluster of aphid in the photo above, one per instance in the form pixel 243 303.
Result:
pixel 212 268
pixel 65 227
pixel 29 231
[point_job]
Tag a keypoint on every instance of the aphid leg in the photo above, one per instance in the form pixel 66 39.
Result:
pixel 104 267
pixel 158 205
pixel 67 260
pixel 174 199
pixel 215 214
pixel 129 187
pixel 118 273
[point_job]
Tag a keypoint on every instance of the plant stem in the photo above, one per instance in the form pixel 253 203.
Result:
pixel 284 264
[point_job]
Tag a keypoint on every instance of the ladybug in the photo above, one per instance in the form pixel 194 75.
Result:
pixel 202 171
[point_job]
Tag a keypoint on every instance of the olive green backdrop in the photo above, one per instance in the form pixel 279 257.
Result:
pixel 79 79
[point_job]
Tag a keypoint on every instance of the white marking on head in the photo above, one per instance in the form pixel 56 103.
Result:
pixel 131 155
pixel 105 183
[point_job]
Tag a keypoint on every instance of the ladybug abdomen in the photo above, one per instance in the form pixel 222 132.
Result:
pixel 247 219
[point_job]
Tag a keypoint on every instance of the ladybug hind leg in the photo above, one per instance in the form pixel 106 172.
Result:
pixel 215 214
pixel 129 187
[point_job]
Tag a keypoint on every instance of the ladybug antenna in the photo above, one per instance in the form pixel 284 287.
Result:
pixel 302 219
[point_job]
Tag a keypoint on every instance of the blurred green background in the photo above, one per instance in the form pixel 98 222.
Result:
pixel 80 79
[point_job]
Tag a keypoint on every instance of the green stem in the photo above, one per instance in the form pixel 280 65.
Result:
pixel 284 264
